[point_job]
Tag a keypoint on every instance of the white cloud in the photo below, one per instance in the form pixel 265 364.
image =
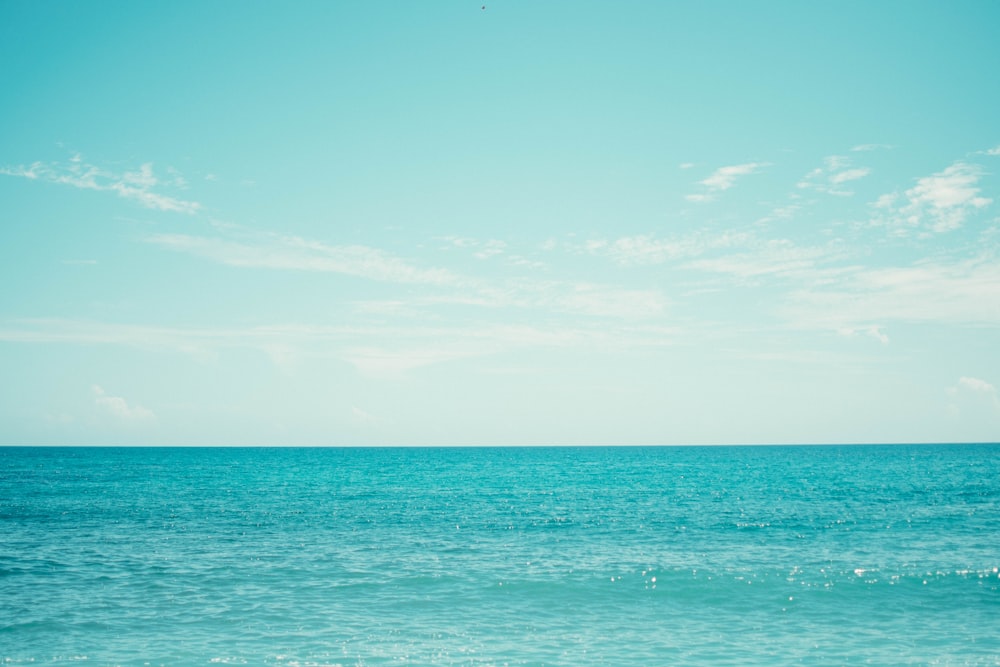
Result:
pixel 604 301
pixel 939 203
pixel 849 175
pixel 381 349
pixel 886 201
pixel 777 257
pixel 518 260
pixel 993 151
pixel 836 171
pixel 489 249
pixel 836 162
pixel 975 384
pixel 872 331
pixel 877 334
pixel 870 147
pixel 947 196
pixel 460 241
pixel 481 249
pixel 646 249
pixel 976 392
pixel 781 213
pixel 426 347
pixel 136 185
pixel 203 344
pixel 951 293
pixel 724 177
pixel 119 407
pixel 269 251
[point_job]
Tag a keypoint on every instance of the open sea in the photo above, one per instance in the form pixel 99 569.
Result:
pixel 815 555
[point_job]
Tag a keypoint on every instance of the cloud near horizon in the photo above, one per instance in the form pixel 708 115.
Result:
pixel 975 384
pixel 119 407
pixel 944 292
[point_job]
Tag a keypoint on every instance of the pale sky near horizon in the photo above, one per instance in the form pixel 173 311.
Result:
pixel 395 223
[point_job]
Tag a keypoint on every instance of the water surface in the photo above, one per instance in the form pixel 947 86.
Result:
pixel 883 555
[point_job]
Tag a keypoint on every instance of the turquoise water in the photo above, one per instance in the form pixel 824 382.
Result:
pixel 884 555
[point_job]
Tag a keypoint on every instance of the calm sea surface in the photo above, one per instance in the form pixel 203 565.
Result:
pixel 884 555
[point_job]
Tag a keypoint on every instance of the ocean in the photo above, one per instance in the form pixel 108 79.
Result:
pixel 783 555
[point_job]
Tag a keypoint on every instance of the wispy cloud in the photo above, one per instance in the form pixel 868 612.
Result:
pixel 647 249
pixel 952 293
pixel 939 203
pixel 775 257
pixel 139 185
pixel 600 300
pixel 975 384
pixel 480 249
pixel 490 248
pixel 976 390
pixel 545 296
pixel 375 350
pixel 849 175
pixel 872 331
pixel 992 151
pixel 724 178
pixel 836 171
pixel 785 212
pixel 271 251
pixel 200 343
pixel 247 249
pixel 426 347
pixel 870 147
pixel 698 197
pixel 119 407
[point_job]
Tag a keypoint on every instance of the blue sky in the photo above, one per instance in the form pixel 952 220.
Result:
pixel 535 223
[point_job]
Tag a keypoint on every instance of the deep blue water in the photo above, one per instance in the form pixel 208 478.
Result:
pixel 884 555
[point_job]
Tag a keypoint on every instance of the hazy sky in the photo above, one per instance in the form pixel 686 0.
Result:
pixel 350 223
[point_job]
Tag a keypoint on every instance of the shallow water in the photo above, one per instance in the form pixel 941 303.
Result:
pixel 501 556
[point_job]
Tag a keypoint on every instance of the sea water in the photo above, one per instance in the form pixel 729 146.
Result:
pixel 884 555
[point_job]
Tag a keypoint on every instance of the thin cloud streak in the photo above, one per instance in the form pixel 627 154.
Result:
pixel 270 251
pixel 135 185
pixel 835 172
pixel 724 178
pixel 952 294
pixel 297 254
pixel 371 349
